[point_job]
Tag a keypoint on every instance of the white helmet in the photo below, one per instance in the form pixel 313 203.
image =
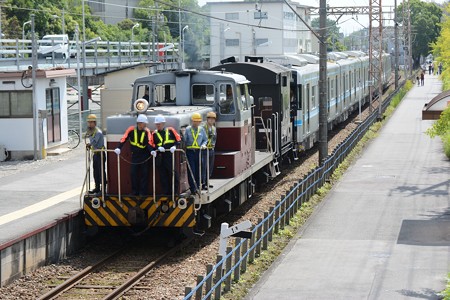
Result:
pixel 160 119
pixel 142 119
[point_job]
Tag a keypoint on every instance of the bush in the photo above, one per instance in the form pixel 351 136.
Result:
pixel 446 141
pixel 441 128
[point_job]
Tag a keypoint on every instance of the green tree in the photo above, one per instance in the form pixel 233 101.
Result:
pixel 334 36
pixel 425 18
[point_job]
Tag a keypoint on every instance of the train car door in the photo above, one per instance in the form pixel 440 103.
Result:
pixel 307 108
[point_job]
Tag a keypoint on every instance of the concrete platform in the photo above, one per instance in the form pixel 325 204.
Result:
pixel 39 214
pixel 383 232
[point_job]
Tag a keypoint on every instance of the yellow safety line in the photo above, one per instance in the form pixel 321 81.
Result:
pixel 39 206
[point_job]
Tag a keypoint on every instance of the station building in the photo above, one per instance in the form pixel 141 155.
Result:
pixel 17 138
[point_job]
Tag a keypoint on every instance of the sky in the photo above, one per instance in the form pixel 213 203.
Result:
pixel 347 24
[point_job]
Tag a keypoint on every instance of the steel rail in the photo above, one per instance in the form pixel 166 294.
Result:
pixel 130 283
pixel 69 283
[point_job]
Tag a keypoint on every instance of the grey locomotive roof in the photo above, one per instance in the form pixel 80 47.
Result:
pixel 168 77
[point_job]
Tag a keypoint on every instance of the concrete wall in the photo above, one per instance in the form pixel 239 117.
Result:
pixel 47 245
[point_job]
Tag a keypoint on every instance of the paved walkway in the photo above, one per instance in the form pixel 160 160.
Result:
pixel 38 193
pixel 383 232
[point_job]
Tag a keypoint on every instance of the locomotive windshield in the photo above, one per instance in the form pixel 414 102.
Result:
pixel 226 99
pixel 165 94
pixel 203 94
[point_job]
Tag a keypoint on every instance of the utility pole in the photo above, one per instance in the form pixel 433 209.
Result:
pixel 323 93
pixel 409 41
pixel 33 77
pixel 375 52
pixel 395 46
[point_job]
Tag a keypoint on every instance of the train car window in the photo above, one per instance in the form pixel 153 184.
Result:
pixel 331 90
pixel 284 80
pixel 226 99
pixel 164 94
pixel 202 94
pixel 242 95
pixel 313 97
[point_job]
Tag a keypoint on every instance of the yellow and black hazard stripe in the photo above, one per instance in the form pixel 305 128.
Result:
pixel 160 213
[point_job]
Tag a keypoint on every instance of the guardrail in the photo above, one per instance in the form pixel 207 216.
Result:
pixel 17 52
pixel 219 276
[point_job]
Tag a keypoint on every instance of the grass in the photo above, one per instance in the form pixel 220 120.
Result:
pixel 446 293
pixel 280 240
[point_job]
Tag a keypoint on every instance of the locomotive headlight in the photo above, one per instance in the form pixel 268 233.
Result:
pixel 95 203
pixel 182 203
pixel 141 105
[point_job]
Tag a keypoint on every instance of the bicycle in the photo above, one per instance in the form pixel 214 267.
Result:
pixel 74 139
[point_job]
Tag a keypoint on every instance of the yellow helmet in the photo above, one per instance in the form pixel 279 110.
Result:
pixel 211 114
pixel 196 117
pixel 92 118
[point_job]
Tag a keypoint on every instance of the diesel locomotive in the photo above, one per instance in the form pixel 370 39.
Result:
pixel 266 111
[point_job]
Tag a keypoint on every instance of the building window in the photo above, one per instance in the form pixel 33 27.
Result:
pixel 289 15
pixel 16 104
pixel 232 42
pixel 260 15
pixel 232 16
pixel 262 42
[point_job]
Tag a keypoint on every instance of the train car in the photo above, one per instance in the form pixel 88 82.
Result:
pixel 176 96
pixel 348 88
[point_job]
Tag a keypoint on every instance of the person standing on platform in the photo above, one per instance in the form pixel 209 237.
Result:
pixel 142 147
pixel 422 78
pixel 96 142
pixel 195 140
pixel 211 133
pixel 166 138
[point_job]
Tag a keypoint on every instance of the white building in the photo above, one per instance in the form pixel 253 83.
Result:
pixel 16 112
pixel 113 11
pixel 257 29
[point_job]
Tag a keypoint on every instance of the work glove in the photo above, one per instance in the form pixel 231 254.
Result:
pixel 88 146
pixel 172 149
pixel 203 147
pixel 161 149
pixel 117 151
pixel 153 153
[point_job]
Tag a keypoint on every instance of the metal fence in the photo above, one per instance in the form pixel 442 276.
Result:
pixel 16 53
pixel 73 119
pixel 219 276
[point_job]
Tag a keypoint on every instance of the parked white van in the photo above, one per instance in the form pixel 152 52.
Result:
pixel 54 43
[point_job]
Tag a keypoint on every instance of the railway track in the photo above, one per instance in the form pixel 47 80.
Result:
pixel 103 280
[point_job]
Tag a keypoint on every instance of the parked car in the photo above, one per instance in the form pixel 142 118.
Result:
pixel 54 44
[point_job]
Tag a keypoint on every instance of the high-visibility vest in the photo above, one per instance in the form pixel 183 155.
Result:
pixel 209 139
pixel 166 140
pixel 195 137
pixel 138 143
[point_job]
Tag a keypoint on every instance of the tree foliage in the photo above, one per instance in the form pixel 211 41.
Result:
pixel 333 35
pixel 441 49
pixel 425 29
